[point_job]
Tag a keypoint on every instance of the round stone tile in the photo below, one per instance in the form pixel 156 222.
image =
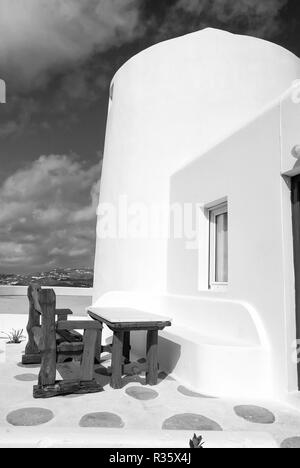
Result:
pixel 29 417
pixel 101 420
pixel 255 414
pixel 26 377
pixel 292 442
pixel 71 396
pixel 141 393
pixel 28 366
pixel 189 393
pixel 165 376
pixel 191 422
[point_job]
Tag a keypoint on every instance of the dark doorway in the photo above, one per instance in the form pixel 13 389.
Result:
pixel 296 237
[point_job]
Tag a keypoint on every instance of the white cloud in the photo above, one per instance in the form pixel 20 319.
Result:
pixel 38 37
pixel 48 214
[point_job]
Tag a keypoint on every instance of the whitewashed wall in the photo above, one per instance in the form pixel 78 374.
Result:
pixel 246 169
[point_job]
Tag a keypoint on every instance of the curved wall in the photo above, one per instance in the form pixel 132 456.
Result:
pixel 171 103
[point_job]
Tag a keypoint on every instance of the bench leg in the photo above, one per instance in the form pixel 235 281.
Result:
pixel 116 360
pixel 88 357
pixel 47 373
pixel 32 354
pixel 126 347
pixel 152 357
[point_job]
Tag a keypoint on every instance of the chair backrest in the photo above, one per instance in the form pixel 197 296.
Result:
pixel 33 293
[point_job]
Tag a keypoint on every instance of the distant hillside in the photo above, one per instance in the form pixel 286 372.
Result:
pixel 67 277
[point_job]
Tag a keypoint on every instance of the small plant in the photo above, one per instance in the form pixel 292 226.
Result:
pixel 196 442
pixel 15 336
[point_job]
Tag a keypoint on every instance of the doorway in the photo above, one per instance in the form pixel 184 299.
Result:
pixel 296 239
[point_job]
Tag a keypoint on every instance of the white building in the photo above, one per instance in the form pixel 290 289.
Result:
pixel 210 120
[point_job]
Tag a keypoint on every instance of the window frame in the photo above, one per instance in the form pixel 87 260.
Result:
pixel 213 213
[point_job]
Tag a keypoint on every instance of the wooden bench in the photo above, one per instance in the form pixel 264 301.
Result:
pixel 122 321
pixel 52 341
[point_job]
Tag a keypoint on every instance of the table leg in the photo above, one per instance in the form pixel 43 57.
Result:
pixel 152 357
pixel 126 347
pixel 98 347
pixel 116 360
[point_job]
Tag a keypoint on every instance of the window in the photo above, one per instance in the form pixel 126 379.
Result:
pixel 218 246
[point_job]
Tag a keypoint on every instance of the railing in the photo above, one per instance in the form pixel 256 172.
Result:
pixel 59 291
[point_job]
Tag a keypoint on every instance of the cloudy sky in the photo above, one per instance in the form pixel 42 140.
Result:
pixel 58 57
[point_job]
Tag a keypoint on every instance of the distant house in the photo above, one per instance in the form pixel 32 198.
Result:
pixel 209 121
pixel 2 92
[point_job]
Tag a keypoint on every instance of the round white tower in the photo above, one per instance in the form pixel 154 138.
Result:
pixel 168 105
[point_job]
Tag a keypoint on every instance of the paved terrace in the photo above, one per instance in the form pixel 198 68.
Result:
pixel 135 416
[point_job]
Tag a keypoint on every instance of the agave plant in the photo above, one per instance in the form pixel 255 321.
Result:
pixel 15 336
pixel 196 442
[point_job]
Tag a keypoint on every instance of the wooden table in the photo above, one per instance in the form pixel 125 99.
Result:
pixel 122 321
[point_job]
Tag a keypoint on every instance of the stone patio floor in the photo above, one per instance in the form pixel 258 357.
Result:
pixel 135 416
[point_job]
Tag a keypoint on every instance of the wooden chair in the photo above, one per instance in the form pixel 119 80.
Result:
pixel 52 341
